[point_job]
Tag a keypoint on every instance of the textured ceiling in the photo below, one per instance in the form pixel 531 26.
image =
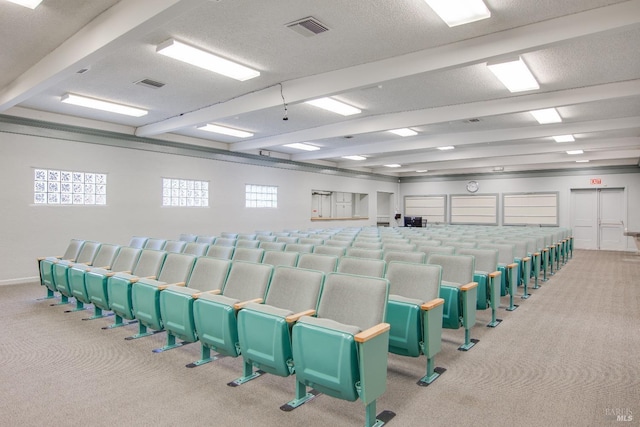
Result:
pixel 396 60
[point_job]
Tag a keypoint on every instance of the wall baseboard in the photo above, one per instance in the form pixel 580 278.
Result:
pixel 19 281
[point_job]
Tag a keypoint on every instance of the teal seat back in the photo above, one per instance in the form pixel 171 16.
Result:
pixel 324 349
pixel 410 285
pixel 263 331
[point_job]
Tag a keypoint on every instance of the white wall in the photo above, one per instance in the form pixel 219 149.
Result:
pixel 134 191
pixel 563 184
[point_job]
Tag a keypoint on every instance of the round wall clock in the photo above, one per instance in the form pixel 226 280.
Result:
pixel 472 186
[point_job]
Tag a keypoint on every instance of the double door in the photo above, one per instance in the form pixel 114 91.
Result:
pixel 598 217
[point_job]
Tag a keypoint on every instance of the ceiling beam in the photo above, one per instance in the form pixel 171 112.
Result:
pixel 499 155
pixel 509 42
pixel 469 138
pixel 123 23
pixel 531 161
pixel 426 116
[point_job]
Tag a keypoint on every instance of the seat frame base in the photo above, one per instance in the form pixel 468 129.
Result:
pixel 469 343
pixel 98 314
pixel 432 374
pixel 205 357
pixel 119 322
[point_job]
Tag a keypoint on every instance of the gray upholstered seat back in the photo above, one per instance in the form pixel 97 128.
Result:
pixel 225 241
pixel 105 256
pixel 273 246
pixel 462 245
pixel 138 242
pixel 415 281
pixel 295 289
pixel 361 266
pixel 246 243
pixel 287 239
pixel 224 252
pixel 197 249
pixel 311 241
pixel 354 300
pixel 266 238
pixel 486 259
pixel 209 240
pixel 329 250
pixel 157 244
pixel 229 235
pixel 338 243
pixel 126 259
pixel 506 252
pixel 430 250
pixel 88 252
pixel 405 256
pixel 421 243
pixel 72 251
pixel 175 246
pixel 209 274
pixel 176 268
pixel 320 262
pixel 407 247
pixel 185 237
pixel 366 245
pixel 149 263
pixel 520 249
pixel 246 236
pixel 364 253
pixel 280 258
pixel 299 247
pixel 455 268
pixel 247 280
pixel 248 254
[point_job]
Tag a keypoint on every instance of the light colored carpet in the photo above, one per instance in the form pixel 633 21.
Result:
pixel 568 356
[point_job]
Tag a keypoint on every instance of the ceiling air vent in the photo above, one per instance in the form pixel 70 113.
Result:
pixel 150 83
pixel 308 27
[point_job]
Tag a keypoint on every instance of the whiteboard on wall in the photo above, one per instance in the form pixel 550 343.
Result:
pixel 433 208
pixel 475 209
pixel 530 209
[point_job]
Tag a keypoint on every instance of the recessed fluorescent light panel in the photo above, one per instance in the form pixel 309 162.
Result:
pixel 458 12
pixel 575 152
pixel 354 157
pixel 446 147
pixel 515 75
pixel 422 170
pixel 31 4
pixel 99 104
pixel 206 60
pixel 225 131
pixel 302 146
pixel 334 106
pixel 404 132
pixel 547 115
pixel 582 161
pixel 564 138
pixel 393 165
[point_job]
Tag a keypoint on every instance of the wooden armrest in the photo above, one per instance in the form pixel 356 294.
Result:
pixel 374 331
pixel 495 274
pixel 512 265
pixel 432 304
pixel 527 258
pixel 239 305
pixel 213 292
pixel 166 285
pixel 545 250
pixel 40 258
pixel 294 317
pixel 536 254
pixel 469 286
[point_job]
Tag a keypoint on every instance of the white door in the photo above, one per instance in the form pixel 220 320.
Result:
pixel 611 227
pixel 584 208
pixel 598 219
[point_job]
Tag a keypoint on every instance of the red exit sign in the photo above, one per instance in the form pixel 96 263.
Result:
pixel 596 181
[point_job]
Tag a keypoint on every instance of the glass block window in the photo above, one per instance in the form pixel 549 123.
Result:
pixel 185 192
pixel 58 187
pixel 261 196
